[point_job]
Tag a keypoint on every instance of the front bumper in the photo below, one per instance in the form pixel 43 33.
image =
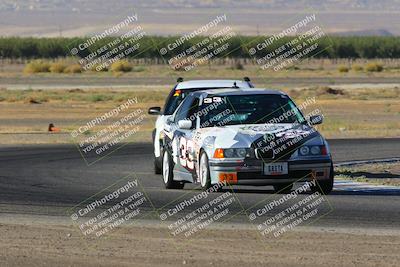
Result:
pixel 250 171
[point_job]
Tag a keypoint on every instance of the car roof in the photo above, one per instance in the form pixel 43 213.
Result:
pixel 239 91
pixel 198 84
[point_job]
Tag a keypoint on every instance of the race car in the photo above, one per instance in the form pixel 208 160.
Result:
pixel 175 97
pixel 244 137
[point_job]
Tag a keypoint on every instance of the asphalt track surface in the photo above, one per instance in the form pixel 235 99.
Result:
pixel 51 179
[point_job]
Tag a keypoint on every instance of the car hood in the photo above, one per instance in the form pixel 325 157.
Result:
pixel 247 135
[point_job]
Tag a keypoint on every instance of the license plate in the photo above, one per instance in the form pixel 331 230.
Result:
pixel 276 168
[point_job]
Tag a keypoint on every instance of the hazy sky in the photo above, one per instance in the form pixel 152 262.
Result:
pixel 168 17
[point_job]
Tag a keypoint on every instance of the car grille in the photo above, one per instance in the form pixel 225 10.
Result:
pixel 268 154
pixel 264 153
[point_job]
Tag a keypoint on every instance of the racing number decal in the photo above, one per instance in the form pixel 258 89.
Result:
pixel 185 155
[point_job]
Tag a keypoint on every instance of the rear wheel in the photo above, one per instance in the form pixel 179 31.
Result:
pixel 325 186
pixel 168 173
pixel 204 172
pixel 283 188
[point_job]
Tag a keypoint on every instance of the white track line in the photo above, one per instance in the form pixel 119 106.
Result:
pixel 353 186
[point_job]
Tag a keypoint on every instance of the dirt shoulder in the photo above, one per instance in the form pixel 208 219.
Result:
pixel 26 115
pixel 62 245
pixel 382 173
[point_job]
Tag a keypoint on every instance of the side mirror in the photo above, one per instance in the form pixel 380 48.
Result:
pixel 185 124
pixel 154 111
pixel 317 119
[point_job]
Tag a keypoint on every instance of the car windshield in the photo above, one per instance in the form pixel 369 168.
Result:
pixel 248 109
pixel 177 96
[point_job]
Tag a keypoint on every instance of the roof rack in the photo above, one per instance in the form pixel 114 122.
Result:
pixel 179 80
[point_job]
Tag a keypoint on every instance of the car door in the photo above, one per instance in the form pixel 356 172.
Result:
pixel 182 139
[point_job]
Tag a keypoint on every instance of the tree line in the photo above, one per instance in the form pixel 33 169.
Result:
pixel 328 46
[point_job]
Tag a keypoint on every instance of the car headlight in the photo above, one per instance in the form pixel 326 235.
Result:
pixel 229 153
pixel 315 150
pixel 232 153
pixel 304 150
pixel 241 152
pixel 312 150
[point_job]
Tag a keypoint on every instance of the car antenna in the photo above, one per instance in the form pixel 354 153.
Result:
pixel 235 85
pixel 179 80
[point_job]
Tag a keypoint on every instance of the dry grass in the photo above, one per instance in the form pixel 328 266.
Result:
pixel 348 113
pixel 357 67
pixel 37 66
pixel 57 67
pixel 121 66
pixel 82 96
pixel 374 67
pixel 76 68
pixel 23 123
pixel 343 68
pixel 306 68
pixel 355 113
pixel 326 92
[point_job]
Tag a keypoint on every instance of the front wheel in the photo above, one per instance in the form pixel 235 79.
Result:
pixel 325 186
pixel 157 160
pixel 157 165
pixel 204 172
pixel 168 172
pixel 284 188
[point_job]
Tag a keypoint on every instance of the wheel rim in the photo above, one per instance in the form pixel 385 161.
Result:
pixel 203 170
pixel 165 167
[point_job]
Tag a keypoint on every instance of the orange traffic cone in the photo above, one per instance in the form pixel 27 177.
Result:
pixel 53 129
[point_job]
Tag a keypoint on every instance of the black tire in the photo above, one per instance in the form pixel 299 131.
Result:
pixel 283 188
pixel 205 178
pixel 168 172
pixel 157 160
pixel 325 186
pixel 158 165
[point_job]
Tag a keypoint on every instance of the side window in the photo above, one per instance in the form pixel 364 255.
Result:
pixel 184 109
pixel 175 97
pixel 193 110
pixel 167 110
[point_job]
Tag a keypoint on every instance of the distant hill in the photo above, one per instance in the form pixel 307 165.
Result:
pixel 50 18
pixel 379 32
pixel 79 5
